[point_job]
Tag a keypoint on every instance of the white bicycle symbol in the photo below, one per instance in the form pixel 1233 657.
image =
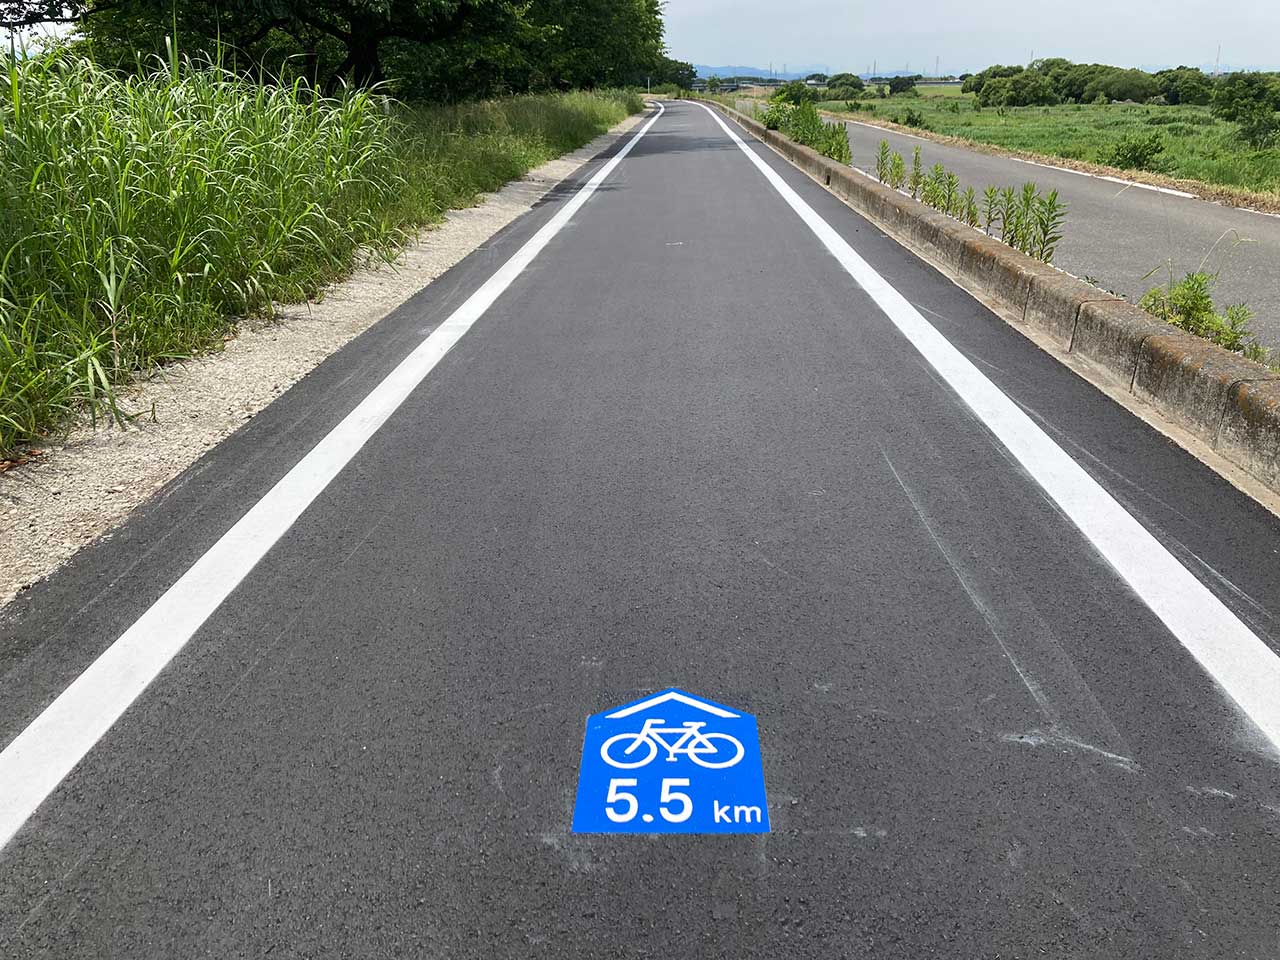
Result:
pixel 708 750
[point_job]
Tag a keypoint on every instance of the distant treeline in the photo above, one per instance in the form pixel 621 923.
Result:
pixel 1052 81
pixel 439 50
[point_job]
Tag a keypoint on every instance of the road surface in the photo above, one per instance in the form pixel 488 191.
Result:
pixel 1011 652
pixel 1125 235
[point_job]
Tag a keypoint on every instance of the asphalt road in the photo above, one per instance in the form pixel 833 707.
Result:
pixel 661 458
pixel 1125 236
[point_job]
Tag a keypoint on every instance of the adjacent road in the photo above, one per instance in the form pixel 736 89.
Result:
pixel 1012 654
pixel 1125 236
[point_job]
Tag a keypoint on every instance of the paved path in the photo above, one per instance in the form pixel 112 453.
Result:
pixel 1121 233
pixel 1010 651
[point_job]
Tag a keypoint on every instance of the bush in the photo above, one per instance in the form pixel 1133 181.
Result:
pixel 803 125
pixel 795 92
pixel 902 84
pixel 1134 152
pixel 143 215
pixel 1188 304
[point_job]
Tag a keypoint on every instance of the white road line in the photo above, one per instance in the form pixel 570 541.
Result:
pixel 1109 179
pixel 1243 666
pixel 35 762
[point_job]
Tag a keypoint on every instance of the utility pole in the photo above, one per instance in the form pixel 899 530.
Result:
pixel 1217 63
pixel 937 70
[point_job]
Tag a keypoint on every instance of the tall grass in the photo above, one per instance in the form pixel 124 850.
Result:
pixel 141 216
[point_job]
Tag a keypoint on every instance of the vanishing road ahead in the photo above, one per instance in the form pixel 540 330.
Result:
pixel 1012 654
pixel 1125 235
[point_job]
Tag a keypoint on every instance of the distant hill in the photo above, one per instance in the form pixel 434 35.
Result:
pixel 798 74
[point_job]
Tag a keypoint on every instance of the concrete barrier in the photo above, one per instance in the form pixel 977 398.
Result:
pixel 1227 401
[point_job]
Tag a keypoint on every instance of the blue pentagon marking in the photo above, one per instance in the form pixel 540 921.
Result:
pixel 671 763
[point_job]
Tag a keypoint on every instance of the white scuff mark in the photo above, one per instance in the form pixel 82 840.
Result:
pixel 1037 738
pixel 675 243
pixel 1210 792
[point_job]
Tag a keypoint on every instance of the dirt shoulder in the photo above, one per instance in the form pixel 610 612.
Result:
pixel 81 488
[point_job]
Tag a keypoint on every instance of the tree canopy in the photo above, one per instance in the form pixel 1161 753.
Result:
pixel 441 49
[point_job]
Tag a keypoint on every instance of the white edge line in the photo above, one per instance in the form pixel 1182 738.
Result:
pixel 1244 667
pixel 36 761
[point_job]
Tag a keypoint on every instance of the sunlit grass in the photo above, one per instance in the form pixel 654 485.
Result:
pixel 144 215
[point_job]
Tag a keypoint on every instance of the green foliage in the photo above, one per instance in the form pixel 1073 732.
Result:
pixel 1188 304
pixel 1026 220
pixel 142 215
pixel 795 92
pixel 1134 152
pixel 916 181
pixel 1023 89
pixel 803 124
pixel 977 81
pixel 775 115
pixel 899 85
pixel 882 161
pixel 1197 144
pixel 1251 101
pixel 897 171
pixel 1185 85
pixel 443 50
pixel 912 118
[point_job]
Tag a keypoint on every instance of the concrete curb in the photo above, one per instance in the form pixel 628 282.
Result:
pixel 1231 403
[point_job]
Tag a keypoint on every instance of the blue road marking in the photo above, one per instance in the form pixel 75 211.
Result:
pixel 671 763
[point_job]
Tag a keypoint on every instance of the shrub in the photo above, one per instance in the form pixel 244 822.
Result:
pixel 803 125
pixel 1134 152
pixel 882 161
pixel 1188 304
pixel 796 92
pixel 897 171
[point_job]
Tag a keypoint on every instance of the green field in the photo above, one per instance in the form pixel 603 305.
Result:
pixel 1196 146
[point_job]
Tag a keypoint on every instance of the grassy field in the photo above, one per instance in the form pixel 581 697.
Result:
pixel 143 216
pixel 1196 146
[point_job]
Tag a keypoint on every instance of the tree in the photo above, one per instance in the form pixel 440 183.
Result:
pixel 675 71
pixel 796 91
pixel 440 49
pixel 1185 85
pixel 1117 84
pixel 713 83
pixel 1028 88
pixel 902 84
pixel 975 81
pixel 1250 100
pixel 817 77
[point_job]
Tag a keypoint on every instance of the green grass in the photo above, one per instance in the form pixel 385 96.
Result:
pixel 1197 146
pixel 144 216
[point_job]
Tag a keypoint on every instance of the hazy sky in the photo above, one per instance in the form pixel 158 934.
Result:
pixel 970 34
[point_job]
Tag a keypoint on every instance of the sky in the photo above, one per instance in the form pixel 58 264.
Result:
pixel 970 34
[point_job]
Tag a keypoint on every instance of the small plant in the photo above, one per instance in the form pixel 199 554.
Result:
pixel 990 208
pixel 917 174
pixel 1050 215
pixel 897 171
pixel 1188 304
pixel 882 161
pixel 913 118
pixel 969 208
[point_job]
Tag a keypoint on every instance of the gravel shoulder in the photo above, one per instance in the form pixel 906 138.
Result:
pixel 81 488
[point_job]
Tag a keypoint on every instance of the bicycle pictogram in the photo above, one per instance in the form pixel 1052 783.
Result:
pixel 715 751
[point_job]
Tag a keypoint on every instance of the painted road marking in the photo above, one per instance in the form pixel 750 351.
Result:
pixel 1246 669
pixel 35 762
pixel 671 763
